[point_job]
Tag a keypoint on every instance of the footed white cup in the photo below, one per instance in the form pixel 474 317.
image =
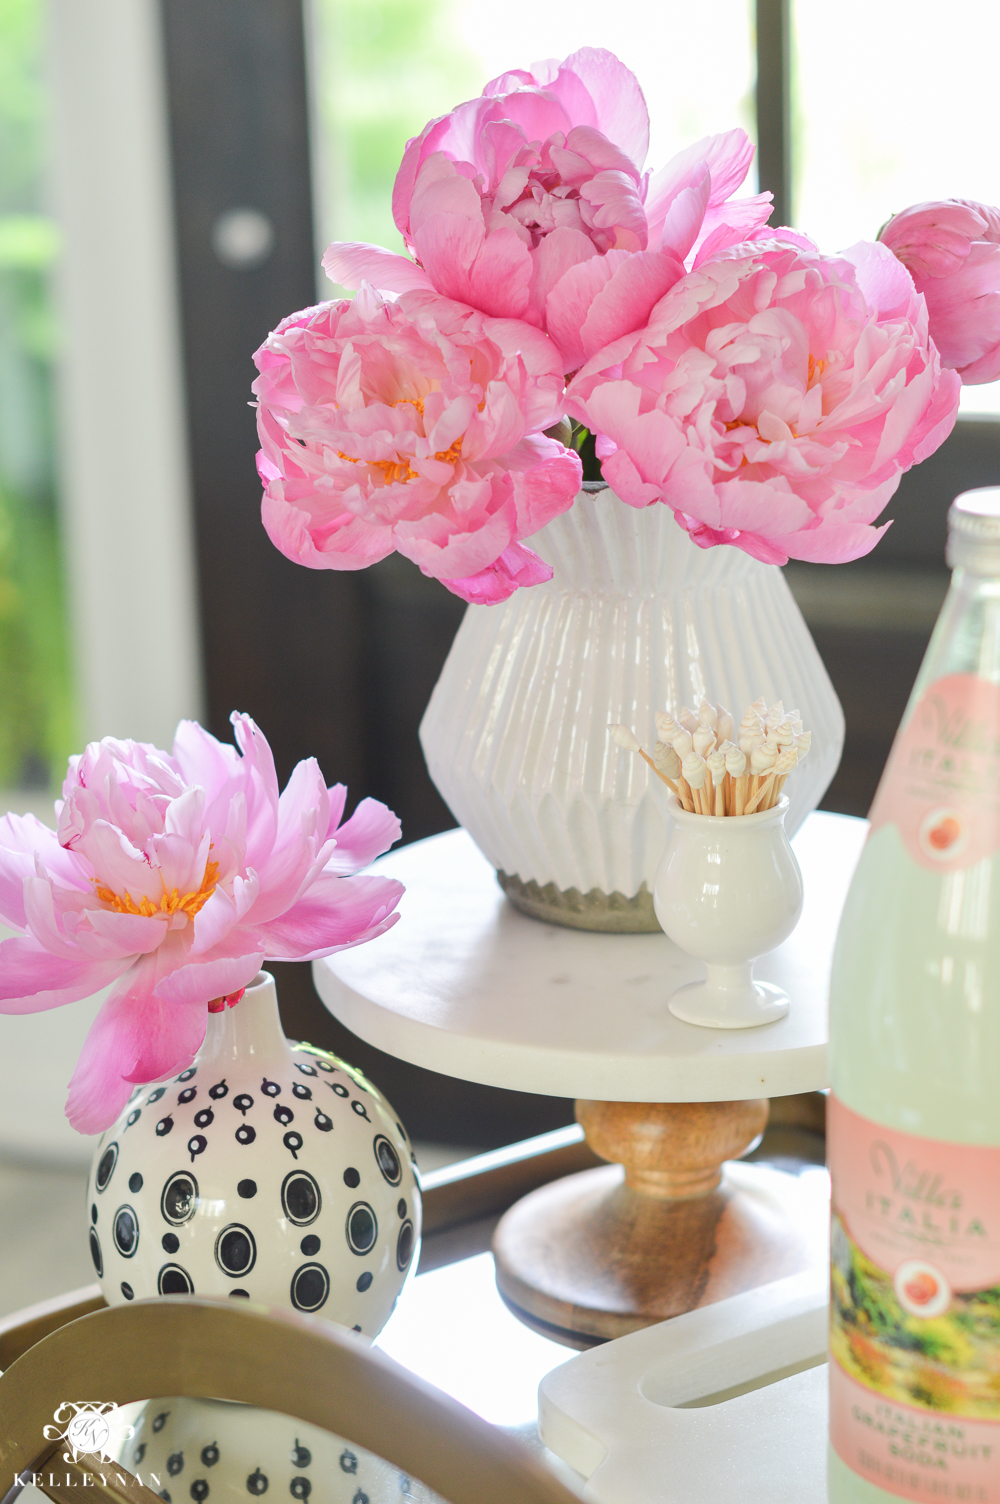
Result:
pixel 727 891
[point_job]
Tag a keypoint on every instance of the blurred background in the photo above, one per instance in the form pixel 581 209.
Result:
pixel 170 172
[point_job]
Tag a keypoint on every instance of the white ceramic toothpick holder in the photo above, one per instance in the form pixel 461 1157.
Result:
pixel 727 891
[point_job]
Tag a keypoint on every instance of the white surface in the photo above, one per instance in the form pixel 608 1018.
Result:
pixel 466 985
pixel 636 619
pixel 43 1250
pixel 124 486
pixel 497 1373
pixel 616 1414
pixel 39 1053
pixel 727 891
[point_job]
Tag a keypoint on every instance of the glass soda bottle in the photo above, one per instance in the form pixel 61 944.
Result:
pixel 914 1111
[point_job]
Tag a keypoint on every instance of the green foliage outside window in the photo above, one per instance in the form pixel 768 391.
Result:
pixel 36 720
pixel 384 68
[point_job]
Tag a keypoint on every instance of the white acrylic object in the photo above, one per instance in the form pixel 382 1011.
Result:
pixel 728 891
pixel 636 619
pixel 466 985
pixel 636 1418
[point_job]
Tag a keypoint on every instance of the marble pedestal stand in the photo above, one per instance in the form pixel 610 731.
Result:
pixel 466 985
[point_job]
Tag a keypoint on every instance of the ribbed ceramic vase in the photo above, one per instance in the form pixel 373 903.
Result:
pixel 636 619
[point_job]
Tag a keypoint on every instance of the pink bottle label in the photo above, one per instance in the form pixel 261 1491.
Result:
pixel 941 785
pixel 915 1311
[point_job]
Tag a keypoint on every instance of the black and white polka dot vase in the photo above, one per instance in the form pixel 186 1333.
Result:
pixel 208 1450
pixel 267 1170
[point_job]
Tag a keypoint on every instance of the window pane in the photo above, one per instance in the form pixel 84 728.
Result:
pixel 695 62
pixel 35 704
pixel 383 68
pixel 893 106
pixel 386 67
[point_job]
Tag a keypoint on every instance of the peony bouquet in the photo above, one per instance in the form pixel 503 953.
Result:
pixel 557 299
pixel 172 877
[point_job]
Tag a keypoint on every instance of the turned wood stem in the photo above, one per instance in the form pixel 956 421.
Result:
pixel 672 1150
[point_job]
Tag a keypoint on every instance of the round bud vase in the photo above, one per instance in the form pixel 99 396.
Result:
pixel 192 1448
pixel 267 1170
pixel 727 891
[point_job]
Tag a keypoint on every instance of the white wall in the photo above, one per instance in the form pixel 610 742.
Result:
pixel 124 481
pixel 124 485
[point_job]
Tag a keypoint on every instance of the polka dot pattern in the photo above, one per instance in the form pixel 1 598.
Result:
pixel 310 1287
pixel 125 1231
pixel 279 1175
pixel 219 1454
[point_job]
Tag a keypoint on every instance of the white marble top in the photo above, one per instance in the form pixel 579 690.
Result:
pixel 466 985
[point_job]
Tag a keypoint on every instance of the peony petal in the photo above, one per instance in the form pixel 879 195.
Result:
pixel 624 304
pixel 619 103
pixel 370 831
pixel 338 799
pixel 303 822
pixel 559 251
pixel 353 546
pixel 517 566
pixel 130 934
pixel 933 239
pixel 222 913
pixel 730 223
pixel 217 974
pixel 885 282
pixel 987 368
pixel 544 488
pixel 260 783
pixel 456 550
pixel 834 542
pixel 686 215
pixel 352 262
pixel 117 864
pixel 336 914
pixel 27 834
pixel 32 979
pixel 491 272
pixel 15 868
pixel 725 158
pixel 134 1038
pixel 203 760
pixel 964 309
pixel 44 919
pixel 571 299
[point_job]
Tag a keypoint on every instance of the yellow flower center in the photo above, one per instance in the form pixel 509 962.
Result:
pixel 170 903
pixel 816 369
pixel 400 469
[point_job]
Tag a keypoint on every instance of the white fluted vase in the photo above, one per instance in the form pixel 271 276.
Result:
pixel 636 619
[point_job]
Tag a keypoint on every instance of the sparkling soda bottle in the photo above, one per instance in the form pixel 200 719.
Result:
pixel 914 1113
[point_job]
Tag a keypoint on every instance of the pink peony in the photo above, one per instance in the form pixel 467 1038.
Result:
pixel 174 876
pixel 952 252
pixel 774 399
pixel 412 425
pixel 530 203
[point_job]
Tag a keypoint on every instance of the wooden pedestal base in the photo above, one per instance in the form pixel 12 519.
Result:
pixel 664 1229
